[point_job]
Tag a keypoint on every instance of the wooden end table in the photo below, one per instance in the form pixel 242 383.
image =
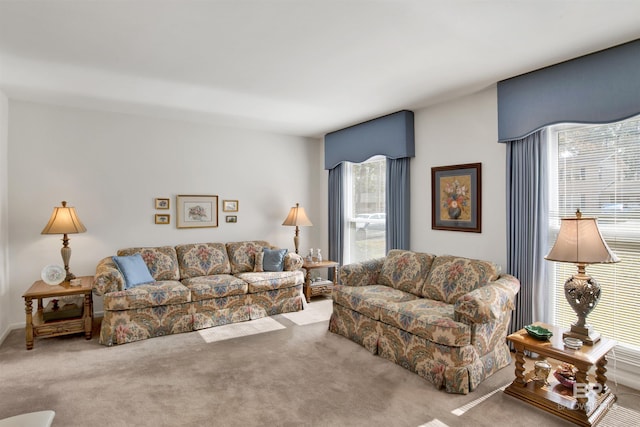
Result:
pixel 37 327
pixel 588 401
pixel 311 289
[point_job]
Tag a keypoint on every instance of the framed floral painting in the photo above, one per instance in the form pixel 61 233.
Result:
pixel 196 211
pixel 456 197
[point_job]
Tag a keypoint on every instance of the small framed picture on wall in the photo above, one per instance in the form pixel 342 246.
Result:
pixel 163 219
pixel 230 206
pixel 162 203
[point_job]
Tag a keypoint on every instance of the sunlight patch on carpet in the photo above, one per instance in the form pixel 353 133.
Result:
pixel 242 329
pixel 434 423
pixel 314 312
pixel 461 410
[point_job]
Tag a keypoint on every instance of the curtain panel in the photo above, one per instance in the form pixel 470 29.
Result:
pixel 336 213
pixel 527 226
pixel 398 201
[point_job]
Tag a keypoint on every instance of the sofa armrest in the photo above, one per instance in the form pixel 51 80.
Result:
pixel 361 274
pixel 108 278
pixel 293 262
pixel 489 302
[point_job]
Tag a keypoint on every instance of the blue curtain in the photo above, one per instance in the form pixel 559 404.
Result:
pixel 398 203
pixel 336 213
pixel 527 226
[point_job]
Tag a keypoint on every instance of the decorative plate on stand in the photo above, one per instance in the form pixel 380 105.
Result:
pixel 53 274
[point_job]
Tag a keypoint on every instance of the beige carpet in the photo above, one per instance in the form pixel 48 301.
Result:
pixel 290 376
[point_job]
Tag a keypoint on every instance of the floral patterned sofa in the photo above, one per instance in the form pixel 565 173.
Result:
pixel 442 317
pixel 196 286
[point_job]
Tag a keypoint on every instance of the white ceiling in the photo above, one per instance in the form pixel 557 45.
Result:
pixel 302 67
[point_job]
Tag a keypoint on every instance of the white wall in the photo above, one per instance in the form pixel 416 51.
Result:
pixel 111 167
pixel 5 303
pixel 461 131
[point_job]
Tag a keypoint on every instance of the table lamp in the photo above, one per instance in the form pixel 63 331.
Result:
pixel 580 242
pixel 298 217
pixel 64 220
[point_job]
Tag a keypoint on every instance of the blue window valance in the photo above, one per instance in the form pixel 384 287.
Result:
pixel 391 136
pixel 597 88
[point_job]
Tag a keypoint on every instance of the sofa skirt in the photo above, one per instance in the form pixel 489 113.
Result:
pixel 355 326
pixel 276 301
pixel 120 327
pixel 220 311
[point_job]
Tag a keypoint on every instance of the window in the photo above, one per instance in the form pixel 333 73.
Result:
pixel 596 168
pixel 365 217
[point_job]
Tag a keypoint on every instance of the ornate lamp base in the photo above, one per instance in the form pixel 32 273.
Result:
pixel 586 334
pixel 582 293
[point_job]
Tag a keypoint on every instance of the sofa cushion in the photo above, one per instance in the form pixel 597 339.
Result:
pixel 429 319
pixel 406 270
pixel 273 259
pixel 258 266
pixel 161 261
pixel 134 270
pixel 270 280
pixel 202 259
pixel 451 277
pixel 217 286
pixel 368 300
pixel 150 295
pixel 242 255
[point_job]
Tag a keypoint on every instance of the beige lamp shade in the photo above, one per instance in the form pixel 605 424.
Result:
pixel 298 217
pixel 64 220
pixel 580 242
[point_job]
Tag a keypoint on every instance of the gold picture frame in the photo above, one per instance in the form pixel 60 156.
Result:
pixel 456 197
pixel 230 206
pixel 231 218
pixel 163 219
pixel 196 211
pixel 162 203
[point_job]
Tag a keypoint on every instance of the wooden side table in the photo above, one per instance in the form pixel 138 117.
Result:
pixel 588 401
pixel 311 289
pixel 37 327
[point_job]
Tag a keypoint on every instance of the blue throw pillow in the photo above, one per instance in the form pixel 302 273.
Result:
pixel 134 270
pixel 273 259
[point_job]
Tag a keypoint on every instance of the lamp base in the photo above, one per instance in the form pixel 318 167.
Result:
pixel 584 333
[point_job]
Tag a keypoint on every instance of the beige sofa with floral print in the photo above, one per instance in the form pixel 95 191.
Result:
pixel 195 286
pixel 442 317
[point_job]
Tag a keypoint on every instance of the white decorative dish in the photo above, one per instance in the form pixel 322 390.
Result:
pixel 573 343
pixel 53 274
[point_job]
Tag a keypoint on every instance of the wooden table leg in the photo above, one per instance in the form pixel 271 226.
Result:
pixel 520 366
pixel 87 315
pixel 601 374
pixel 28 302
pixel 307 285
pixel 582 389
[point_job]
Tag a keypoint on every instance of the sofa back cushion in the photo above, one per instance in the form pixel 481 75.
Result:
pixel 451 277
pixel 242 255
pixel 202 259
pixel 162 261
pixel 406 270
